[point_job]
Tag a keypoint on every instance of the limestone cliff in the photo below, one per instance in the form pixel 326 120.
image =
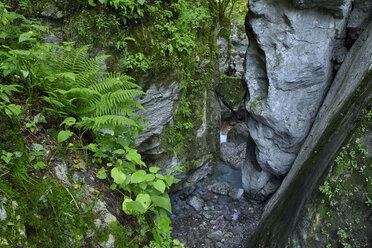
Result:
pixel 349 92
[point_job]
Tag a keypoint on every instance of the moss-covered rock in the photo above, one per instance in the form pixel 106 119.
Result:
pixel 231 91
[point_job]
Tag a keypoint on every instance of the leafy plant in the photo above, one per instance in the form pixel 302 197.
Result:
pixel 97 99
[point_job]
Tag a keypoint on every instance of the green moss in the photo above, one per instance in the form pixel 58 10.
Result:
pixel 231 91
pixel 45 216
pixel 12 140
pixel 122 235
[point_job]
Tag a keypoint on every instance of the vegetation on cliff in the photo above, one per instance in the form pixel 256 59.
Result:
pixel 62 104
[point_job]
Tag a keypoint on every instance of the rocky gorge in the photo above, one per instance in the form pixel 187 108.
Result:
pixel 255 117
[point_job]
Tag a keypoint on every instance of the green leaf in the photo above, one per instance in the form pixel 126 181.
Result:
pixel 39 165
pixel 113 186
pixel 69 121
pixel 40 118
pixel 20 52
pixel 138 176
pixel 134 157
pixel 37 147
pixel 127 209
pixel 162 201
pixel 25 73
pixel 118 176
pixel 101 173
pixel 154 169
pixel 144 200
pixel 26 37
pixel 91 3
pixel 159 185
pixel 64 135
pixel 149 177
pixel 92 147
pixel 119 151
pixel 141 2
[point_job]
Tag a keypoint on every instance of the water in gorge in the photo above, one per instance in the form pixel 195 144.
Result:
pixel 215 212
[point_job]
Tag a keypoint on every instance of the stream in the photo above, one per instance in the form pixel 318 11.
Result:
pixel 215 212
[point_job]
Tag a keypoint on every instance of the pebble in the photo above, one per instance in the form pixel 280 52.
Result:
pixel 217 235
pixel 196 203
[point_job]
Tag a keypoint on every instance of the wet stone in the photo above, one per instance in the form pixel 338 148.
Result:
pixel 221 188
pixel 217 235
pixel 205 217
pixel 196 203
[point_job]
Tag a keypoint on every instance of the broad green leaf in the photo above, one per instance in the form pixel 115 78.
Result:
pixel 119 151
pixel 149 177
pixel 113 186
pixel 141 2
pixel 39 165
pixel 162 201
pixel 154 169
pixel 160 176
pixel 91 3
pixel 69 121
pixel 92 147
pixel 118 176
pixel 144 200
pixel 101 173
pixel 134 208
pixel 134 157
pixel 138 176
pixel 159 185
pixel 64 135
pixel 125 206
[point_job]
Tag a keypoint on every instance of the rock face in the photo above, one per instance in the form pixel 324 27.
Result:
pixel 288 71
pixel 359 18
pixel 160 101
pixel 348 94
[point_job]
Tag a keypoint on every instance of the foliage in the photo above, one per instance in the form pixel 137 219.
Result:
pixel 78 89
pixel 98 99
pixel 348 187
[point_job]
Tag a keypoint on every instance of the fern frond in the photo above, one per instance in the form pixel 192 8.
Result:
pixel 85 90
pixel 106 121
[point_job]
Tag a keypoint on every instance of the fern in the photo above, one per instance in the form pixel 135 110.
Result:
pixel 100 99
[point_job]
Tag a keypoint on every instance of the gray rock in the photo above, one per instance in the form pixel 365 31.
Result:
pixel 257 183
pixel 233 154
pixel 211 215
pixel 159 102
pixel 236 194
pixel 52 11
pixel 287 73
pixel 222 44
pixel 216 236
pixel 238 134
pixel 196 203
pixel 221 188
pixel 335 121
pixel 61 171
pixel 359 18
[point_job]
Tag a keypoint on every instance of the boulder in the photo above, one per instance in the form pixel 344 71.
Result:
pixel 233 154
pixel 238 134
